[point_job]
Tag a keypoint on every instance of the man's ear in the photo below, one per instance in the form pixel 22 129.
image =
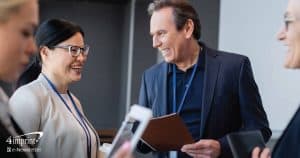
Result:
pixel 189 28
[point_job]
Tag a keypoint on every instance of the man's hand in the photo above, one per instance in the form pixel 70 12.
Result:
pixel 203 148
pixel 264 154
pixel 123 151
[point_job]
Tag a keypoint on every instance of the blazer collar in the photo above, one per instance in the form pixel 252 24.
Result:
pixel 44 82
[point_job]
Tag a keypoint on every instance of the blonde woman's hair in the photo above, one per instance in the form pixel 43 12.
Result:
pixel 8 7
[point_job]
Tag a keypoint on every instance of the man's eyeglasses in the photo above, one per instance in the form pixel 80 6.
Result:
pixel 75 50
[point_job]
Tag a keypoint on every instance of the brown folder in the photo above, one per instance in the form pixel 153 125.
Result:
pixel 167 133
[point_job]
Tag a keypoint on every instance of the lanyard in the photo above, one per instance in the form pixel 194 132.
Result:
pixel 187 87
pixel 82 122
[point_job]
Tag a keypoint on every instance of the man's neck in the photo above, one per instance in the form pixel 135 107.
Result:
pixel 190 59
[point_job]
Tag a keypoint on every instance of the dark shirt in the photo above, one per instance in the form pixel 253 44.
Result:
pixel 191 110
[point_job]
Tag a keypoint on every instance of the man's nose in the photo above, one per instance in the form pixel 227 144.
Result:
pixel 155 42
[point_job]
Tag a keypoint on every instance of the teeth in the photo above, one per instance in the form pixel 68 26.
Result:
pixel 78 69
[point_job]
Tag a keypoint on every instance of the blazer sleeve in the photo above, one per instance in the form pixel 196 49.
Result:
pixel 26 109
pixel 252 111
pixel 143 97
pixel 251 108
pixel 143 101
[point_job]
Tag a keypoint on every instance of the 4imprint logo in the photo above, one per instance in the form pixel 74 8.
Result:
pixel 30 139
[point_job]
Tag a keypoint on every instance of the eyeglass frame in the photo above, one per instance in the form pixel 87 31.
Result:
pixel 79 50
pixel 287 20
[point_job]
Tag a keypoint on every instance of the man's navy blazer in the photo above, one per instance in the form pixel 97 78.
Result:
pixel 231 101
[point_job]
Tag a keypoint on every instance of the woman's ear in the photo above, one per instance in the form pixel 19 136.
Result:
pixel 189 28
pixel 44 52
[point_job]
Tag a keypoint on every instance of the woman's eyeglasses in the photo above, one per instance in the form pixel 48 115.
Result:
pixel 75 50
pixel 288 19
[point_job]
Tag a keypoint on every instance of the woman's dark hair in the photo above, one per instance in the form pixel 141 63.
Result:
pixel 50 33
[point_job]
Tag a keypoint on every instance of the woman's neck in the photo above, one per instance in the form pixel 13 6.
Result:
pixel 61 87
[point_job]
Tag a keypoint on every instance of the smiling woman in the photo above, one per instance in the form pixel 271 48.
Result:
pixel 46 104
pixel 289 142
pixel 290 35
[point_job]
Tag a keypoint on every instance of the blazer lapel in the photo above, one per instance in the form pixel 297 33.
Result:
pixel 210 77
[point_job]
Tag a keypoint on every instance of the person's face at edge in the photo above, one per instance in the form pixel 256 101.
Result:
pixel 290 35
pixel 61 65
pixel 165 37
pixel 17 41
